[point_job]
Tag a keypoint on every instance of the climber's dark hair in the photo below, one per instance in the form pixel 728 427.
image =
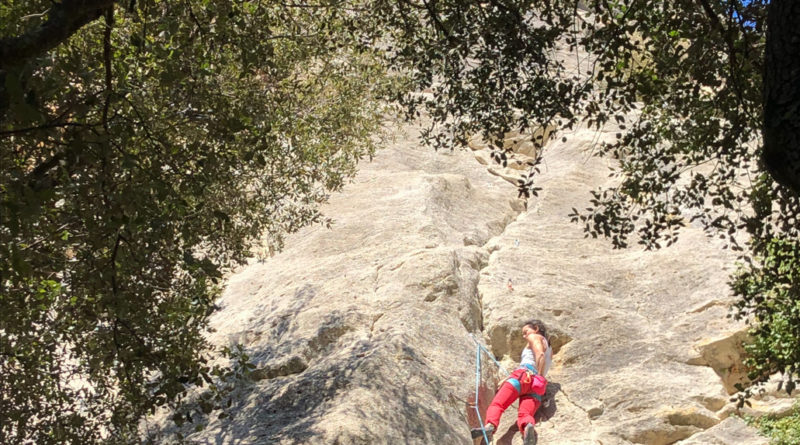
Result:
pixel 537 324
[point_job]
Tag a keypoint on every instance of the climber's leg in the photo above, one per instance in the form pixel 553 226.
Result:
pixel 506 395
pixel 527 408
pixel 528 403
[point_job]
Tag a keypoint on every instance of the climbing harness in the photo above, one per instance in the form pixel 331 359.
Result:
pixel 530 371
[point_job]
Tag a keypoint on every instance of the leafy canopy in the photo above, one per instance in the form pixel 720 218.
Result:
pixel 145 146
pixel 685 83
pixel 141 157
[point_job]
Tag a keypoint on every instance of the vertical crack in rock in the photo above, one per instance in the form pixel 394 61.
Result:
pixel 372 325
pixel 518 208
pixel 469 283
pixel 624 294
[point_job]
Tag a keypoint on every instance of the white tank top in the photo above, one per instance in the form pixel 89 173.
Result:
pixel 527 358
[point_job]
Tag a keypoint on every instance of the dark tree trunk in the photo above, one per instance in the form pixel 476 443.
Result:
pixel 781 154
pixel 64 19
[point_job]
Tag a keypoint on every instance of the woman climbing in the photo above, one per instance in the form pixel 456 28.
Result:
pixel 527 382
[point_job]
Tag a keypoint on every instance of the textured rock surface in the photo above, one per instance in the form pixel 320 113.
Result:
pixel 731 430
pixel 648 355
pixel 361 332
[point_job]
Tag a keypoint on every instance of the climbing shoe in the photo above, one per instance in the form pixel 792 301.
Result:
pixel 477 432
pixel 529 436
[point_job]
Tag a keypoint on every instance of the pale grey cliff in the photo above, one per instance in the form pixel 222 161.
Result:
pixel 361 332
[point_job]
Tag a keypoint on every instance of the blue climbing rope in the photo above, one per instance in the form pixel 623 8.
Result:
pixel 477 388
pixel 481 347
pixel 478 350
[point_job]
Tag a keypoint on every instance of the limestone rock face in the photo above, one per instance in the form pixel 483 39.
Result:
pixel 361 332
pixel 730 430
pixel 645 353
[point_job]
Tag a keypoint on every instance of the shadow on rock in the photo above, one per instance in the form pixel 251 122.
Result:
pixel 548 408
pixel 288 409
pixel 508 436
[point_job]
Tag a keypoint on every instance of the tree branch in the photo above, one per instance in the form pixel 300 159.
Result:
pixel 109 13
pixel 727 37
pixel 64 19
pixel 430 5
pixel 47 126
pixel 713 17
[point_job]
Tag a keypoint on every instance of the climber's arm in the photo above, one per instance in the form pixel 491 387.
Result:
pixel 536 343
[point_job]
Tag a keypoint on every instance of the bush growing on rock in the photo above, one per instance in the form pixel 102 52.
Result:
pixel 781 431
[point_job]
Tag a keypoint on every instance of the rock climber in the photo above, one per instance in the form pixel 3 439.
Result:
pixel 527 382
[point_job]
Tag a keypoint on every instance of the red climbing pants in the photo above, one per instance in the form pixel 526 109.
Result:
pixel 508 393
